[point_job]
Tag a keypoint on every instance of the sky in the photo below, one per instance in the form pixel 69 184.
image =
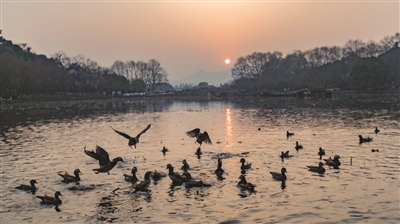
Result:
pixel 188 36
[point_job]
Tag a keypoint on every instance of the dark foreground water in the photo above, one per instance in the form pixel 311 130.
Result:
pixel 40 140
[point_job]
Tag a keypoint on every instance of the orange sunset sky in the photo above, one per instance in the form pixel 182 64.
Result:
pixel 188 36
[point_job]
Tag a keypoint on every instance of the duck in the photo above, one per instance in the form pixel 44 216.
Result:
pixel 374 150
pixel 142 186
pixel 132 178
pixel 333 162
pixel 104 161
pixel 198 152
pixel 185 165
pixel 279 176
pixel 67 178
pixel 244 166
pixel 200 137
pixel 132 140
pixel 288 134
pixel 243 184
pixel 297 147
pixel 319 169
pixel 376 130
pixel 157 175
pixel 175 177
pixel 321 153
pixel 285 155
pixel 362 140
pixel 30 187
pixel 164 150
pixel 219 170
pixel 50 200
pixel 193 183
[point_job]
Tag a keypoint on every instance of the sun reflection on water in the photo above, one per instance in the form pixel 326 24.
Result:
pixel 228 130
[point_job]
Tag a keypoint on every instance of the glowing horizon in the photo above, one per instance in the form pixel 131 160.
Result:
pixel 186 37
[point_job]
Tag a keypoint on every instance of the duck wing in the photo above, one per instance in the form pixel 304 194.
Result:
pixel 144 130
pixel 101 155
pixel 123 134
pixel 193 133
pixel 207 139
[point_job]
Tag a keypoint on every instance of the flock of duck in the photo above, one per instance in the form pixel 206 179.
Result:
pixel 106 165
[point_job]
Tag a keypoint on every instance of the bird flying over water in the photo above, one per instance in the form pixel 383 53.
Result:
pixel 200 137
pixel 104 161
pixel 132 140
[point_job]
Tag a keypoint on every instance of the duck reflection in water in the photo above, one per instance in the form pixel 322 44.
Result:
pixel 283 185
pixel 198 153
pixel 219 171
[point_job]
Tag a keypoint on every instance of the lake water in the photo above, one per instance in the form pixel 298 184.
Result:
pixel 40 140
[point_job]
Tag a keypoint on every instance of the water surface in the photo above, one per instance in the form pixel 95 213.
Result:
pixel 40 141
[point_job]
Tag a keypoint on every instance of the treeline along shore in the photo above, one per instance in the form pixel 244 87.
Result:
pixel 356 66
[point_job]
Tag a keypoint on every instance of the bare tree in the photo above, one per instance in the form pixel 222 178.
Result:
pixel 62 59
pixel 118 67
pixel 129 70
pixel 354 46
pixel 155 75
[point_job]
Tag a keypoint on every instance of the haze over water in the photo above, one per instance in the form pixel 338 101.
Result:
pixel 38 143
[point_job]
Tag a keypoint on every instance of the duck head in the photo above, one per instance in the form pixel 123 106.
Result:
pixel 134 170
pixel 169 166
pixel 33 182
pixel 283 170
pixel 242 160
pixel 321 164
pixel 77 172
pixel 57 194
pixel 147 175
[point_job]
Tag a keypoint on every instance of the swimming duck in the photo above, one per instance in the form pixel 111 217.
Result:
pixel 374 150
pixel 321 152
pixel 50 200
pixel 132 178
pixel 219 170
pixel 297 147
pixel 362 140
pixel 285 155
pixel 200 137
pixel 104 161
pixel 199 183
pixel 185 165
pixel 243 184
pixel 133 140
pixel 157 175
pixel 198 152
pixel 142 186
pixel 288 134
pixel 30 187
pixel 319 169
pixel 175 177
pixel 376 130
pixel 333 162
pixel 244 166
pixel 279 176
pixel 67 178
pixel 164 150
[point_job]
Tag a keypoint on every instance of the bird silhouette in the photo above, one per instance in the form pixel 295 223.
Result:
pixel 200 137
pixel 132 140
pixel 50 200
pixel 318 169
pixel 67 178
pixel 279 176
pixel 30 187
pixel 104 161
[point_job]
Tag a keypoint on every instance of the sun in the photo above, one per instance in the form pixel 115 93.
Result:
pixel 227 61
